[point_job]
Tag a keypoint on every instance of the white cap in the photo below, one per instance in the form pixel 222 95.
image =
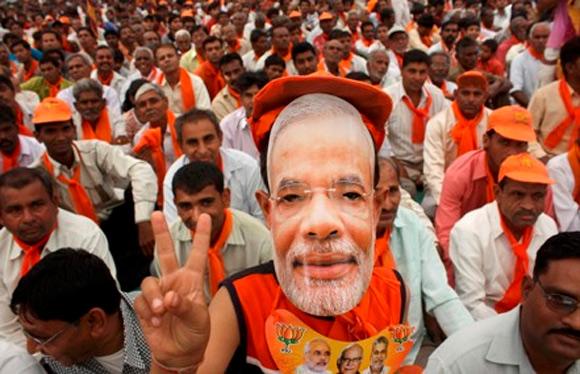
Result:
pixel 396 29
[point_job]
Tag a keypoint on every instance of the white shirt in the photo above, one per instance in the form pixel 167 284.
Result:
pixel 524 73
pixel 168 150
pixel 72 231
pixel 14 359
pixel 236 133
pixel 241 176
pixel 358 64
pixel 28 101
pixel 261 63
pixel 502 20
pixel 202 100
pixel 513 52
pixel 113 363
pixel 483 258
pixel 109 94
pixel 250 61
pixel 490 346
pixel 399 127
pixel 440 150
pixel 566 208
pixel 116 83
pixel 30 150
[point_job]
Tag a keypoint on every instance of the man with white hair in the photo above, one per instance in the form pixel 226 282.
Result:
pixel 316 358
pixel 322 209
pixel 183 41
pixel 378 67
pixel 144 61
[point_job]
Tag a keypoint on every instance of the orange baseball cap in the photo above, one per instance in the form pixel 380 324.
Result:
pixel 524 168
pixel 295 14
pixel 51 110
pixel 373 104
pixel 187 13
pixel 512 122
pixel 472 78
pixel 325 16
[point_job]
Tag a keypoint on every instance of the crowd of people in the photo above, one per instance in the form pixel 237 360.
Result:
pixel 299 186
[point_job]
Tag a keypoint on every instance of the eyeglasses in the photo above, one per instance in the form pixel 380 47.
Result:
pixel 46 341
pixel 354 360
pixel 351 198
pixel 559 303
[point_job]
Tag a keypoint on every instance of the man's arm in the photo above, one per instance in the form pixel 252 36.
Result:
pixel 517 78
pixel 434 157
pixel 202 100
pixel 10 329
pixel 567 209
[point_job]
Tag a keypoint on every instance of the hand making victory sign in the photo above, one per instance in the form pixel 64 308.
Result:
pixel 172 309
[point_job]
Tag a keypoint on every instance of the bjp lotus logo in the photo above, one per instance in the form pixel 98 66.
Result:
pixel 401 334
pixel 288 335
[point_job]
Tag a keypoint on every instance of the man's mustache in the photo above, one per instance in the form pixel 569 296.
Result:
pixel 566 331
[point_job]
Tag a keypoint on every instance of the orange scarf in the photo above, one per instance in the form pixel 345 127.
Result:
pixel 573 118
pixel 574 160
pixel 217 271
pixel 346 63
pixel 427 40
pixel 489 194
pixel 367 42
pixel 513 294
pixel 187 94
pixel 212 78
pixel 54 88
pixel 236 96
pixel 22 129
pixel 383 255
pixel 80 198
pixel 152 139
pixel 10 161
pixel 399 59
pixel 463 133
pixel 101 131
pixel 152 74
pixel 444 89
pixel 535 54
pixel 236 47
pixel 29 73
pixel 32 252
pixel 106 81
pixel 420 117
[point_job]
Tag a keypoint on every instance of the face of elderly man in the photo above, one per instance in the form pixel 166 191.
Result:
pixel 322 210
pixel 317 356
pixel 144 62
pixel 350 360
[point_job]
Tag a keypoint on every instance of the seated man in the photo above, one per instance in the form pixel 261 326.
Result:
pixel 541 336
pixel 238 241
pixel 234 126
pixel 378 68
pixel 93 118
pixel 71 311
pixel 468 182
pixel 454 132
pixel 200 138
pixel 50 80
pixel 89 174
pixel 439 71
pixel 105 72
pixel 494 247
pixel 209 70
pixel 322 214
pixel 34 226
pixel 9 97
pixel 228 98
pixel 565 170
pixel 304 58
pixel 15 149
pixel 404 242
pixel 332 55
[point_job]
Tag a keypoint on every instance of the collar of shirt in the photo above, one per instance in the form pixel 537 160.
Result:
pixel 236 237
pixel 479 171
pixel 59 168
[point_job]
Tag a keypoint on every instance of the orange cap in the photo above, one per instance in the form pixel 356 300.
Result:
pixel 325 16
pixel 512 122
pixel 51 110
pixel 472 78
pixel 187 13
pixel 65 20
pixel 373 104
pixel 295 14
pixel 524 168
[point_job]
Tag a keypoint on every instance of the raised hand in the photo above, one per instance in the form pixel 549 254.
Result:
pixel 172 309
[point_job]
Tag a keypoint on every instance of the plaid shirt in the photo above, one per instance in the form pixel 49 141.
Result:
pixel 137 357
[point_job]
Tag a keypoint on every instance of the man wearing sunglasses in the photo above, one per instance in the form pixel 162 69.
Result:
pixel 542 335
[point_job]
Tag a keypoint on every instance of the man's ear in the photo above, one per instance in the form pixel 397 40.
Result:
pixel 96 320
pixel 226 197
pixel 265 203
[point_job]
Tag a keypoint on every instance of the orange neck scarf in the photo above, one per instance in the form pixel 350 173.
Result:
pixel 573 118
pixel 420 117
pixel 463 133
pixel 32 252
pixel 535 54
pixel 367 42
pixel 29 73
pixel 106 81
pixel 383 255
pixel 235 47
pixel 489 194
pixel 152 139
pixel 427 40
pixel 235 95
pixel 101 131
pixel 80 198
pixel 187 94
pixel 399 59
pixel 574 160
pixel 513 294
pixel 152 74
pixel 54 88
pixel 217 271
pixel 444 89
pixel 10 161
pixel 346 63
pixel 22 129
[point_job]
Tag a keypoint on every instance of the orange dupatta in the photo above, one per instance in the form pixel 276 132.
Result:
pixel 10 161
pixel 574 160
pixel 79 196
pixel 489 194
pixel 54 88
pixel 32 252
pixel 420 117
pixel 187 94
pixel 106 81
pixel 573 118
pixel 152 139
pixel 383 255
pixel 101 131
pixel 463 133
pixel 217 271
pixel 30 72
pixel 535 54
pixel 513 294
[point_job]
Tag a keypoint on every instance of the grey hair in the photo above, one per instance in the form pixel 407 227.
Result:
pixel 83 57
pixel 374 53
pixel 182 33
pixel 146 50
pixel 538 24
pixel 308 345
pixel 149 87
pixel 87 84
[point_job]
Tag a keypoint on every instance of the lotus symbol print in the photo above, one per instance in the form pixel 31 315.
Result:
pixel 288 335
